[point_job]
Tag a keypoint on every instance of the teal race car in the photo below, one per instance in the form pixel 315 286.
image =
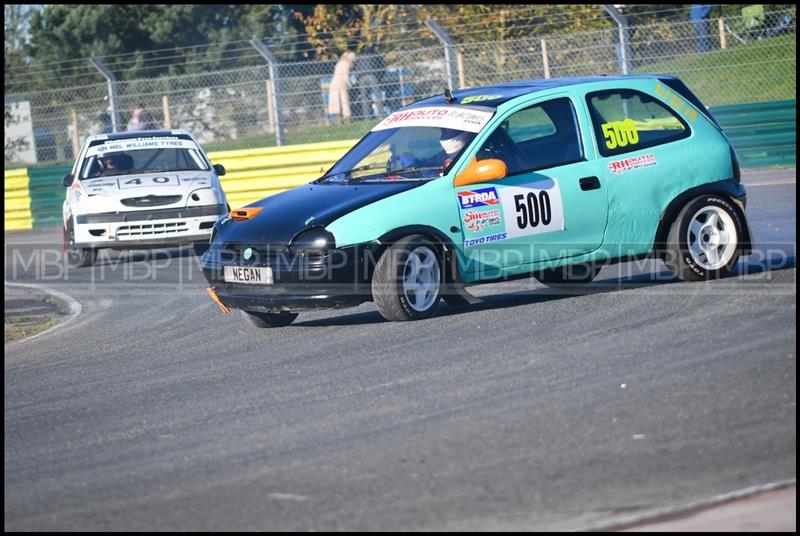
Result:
pixel 550 178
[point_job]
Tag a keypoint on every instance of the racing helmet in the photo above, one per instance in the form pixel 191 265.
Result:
pixel 453 140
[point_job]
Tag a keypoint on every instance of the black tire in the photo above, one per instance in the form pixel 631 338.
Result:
pixel 77 257
pixel 395 301
pixel 720 238
pixel 568 277
pixel 269 320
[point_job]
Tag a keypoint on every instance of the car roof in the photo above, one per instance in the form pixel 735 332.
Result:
pixel 510 90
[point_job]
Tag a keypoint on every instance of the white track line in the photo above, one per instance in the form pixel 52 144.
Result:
pixel 74 305
pixel 654 516
pixel 770 183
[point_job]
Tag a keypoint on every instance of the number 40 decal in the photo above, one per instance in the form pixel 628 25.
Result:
pixel 150 181
pixel 157 180
pixel 620 133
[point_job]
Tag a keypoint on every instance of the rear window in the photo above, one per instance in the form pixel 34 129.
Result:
pixel 626 120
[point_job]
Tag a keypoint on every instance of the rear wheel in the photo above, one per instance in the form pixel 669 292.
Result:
pixel 704 241
pixel 77 257
pixel 269 320
pixel 406 284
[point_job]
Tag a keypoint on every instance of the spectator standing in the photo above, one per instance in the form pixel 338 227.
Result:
pixel 106 123
pixel 339 98
pixel 699 14
pixel 370 68
pixel 140 119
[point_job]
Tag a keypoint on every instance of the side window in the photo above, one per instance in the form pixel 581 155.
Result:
pixel 91 168
pixel 541 136
pixel 626 120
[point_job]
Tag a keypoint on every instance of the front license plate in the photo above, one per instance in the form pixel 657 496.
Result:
pixel 248 275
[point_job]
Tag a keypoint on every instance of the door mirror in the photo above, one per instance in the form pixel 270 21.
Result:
pixel 481 171
pixel 68 179
pixel 219 169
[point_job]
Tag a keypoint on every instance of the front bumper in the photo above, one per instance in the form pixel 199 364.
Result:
pixel 341 278
pixel 145 228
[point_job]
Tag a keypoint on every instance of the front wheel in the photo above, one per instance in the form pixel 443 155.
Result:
pixel 77 257
pixel 406 284
pixel 704 241
pixel 269 320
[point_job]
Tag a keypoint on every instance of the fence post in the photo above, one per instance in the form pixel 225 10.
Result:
pixel 270 106
pixel 273 75
pixel 545 60
pixel 460 65
pixel 112 90
pixel 167 117
pixel 76 138
pixel 723 39
pixel 445 39
pixel 622 29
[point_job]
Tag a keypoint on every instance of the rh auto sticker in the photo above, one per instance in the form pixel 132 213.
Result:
pixel 475 220
pixel 635 162
pixel 437 116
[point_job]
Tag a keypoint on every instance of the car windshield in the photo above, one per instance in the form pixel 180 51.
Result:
pixel 416 144
pixel 136 156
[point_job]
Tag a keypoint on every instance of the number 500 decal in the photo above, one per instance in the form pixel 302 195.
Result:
pixel 620 133
pixel 537 208
pixel 532 209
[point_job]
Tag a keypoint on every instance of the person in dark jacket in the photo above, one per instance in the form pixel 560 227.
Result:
pixel 369 69
pixel 699 14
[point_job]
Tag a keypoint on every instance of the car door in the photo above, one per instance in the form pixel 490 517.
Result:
pixel 551 203
pixel 645 148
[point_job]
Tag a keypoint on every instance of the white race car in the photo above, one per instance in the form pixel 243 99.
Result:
pixel 138 190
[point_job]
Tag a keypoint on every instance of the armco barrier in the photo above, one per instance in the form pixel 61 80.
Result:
pixel 256 173
pixel 16 200
pixel 764 134
pixel 34 196
pixel 47 195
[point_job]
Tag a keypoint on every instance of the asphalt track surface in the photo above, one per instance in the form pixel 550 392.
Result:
pixel 532 411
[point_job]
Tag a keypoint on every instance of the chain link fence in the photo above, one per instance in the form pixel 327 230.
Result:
pixel 750 58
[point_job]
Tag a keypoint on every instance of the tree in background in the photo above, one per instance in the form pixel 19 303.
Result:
pixel 141 40
pixel 16 21
pixel 148 41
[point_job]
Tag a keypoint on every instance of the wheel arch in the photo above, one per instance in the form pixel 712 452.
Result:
pixel 451 270
pixel 727 189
